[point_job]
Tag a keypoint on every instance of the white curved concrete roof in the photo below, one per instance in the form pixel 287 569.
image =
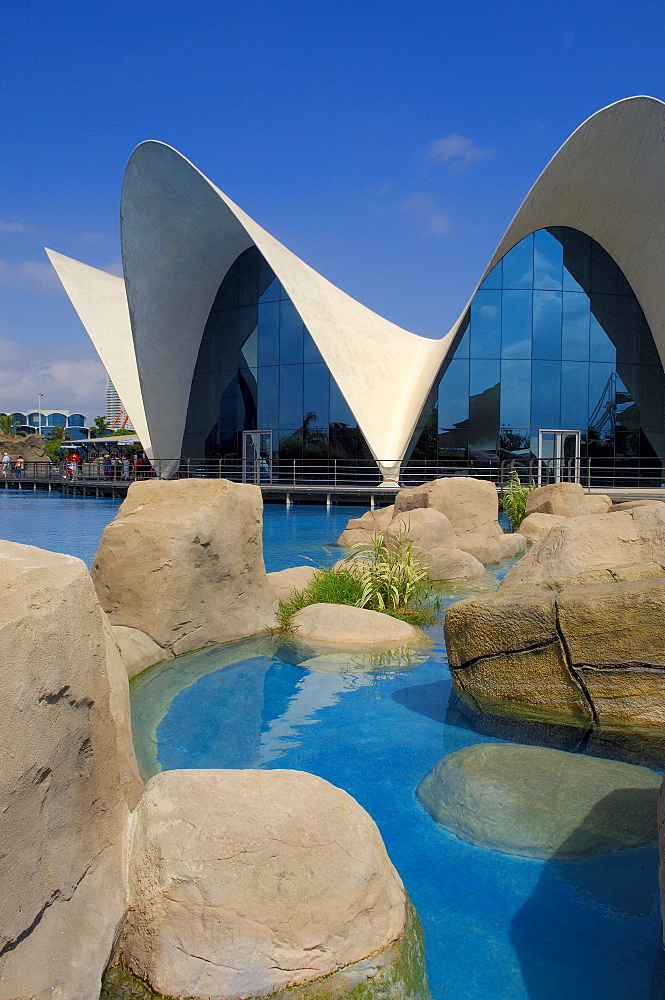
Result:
pixel 180 234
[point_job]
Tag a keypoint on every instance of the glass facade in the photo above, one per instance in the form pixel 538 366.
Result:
pixel 554 338
pixel 259 369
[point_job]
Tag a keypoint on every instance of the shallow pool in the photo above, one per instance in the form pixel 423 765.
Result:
pixel 497 927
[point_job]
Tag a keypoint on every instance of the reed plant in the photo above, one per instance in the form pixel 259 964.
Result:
pixel 514 497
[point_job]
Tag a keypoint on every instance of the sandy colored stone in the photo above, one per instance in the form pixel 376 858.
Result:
pixel 485 542
pixel 452 564
pixel 617 623
pixel 542 803
pixel 566 500
pixel 69 778
pixel 183 562
pixel 537 683
pixel 362 529
pixel 427 528
pixel 342 623
pixel 626 696
pixel 536 526
pixel 512 544
pixel 468 503
pixel 498 622
pixel 625 505
pixel 581 543
pixel 285 581
pixel 137 650
pixel 282 880
pixel 31 447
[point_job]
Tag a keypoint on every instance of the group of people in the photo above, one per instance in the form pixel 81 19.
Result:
pixel 19 466
pixel 114 467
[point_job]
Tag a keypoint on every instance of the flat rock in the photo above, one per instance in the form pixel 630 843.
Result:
pixel 625 505
pixel 536 526
pixel 281 880
pixel 183 563
pixel 566 500
pixel 342 623
pixel 285 581
pixel 542 803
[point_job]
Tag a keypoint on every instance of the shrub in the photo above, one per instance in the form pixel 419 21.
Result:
pixel 513 499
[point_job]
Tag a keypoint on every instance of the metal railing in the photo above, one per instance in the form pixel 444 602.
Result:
pixel 594 473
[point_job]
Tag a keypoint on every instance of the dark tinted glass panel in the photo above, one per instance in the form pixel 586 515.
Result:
pixel 310 350
pixel 268 346
pixel 575 327
pixel 576 261
pixel 290 335
pixel 273 292
pixel 547 325
pixel 268 398
pixel 547 261
pixel 484 400
pixel 248 278
pixel 316 394
pixel 462 350
pixel 340 412
pixel 453 404
pixel 601 347
pixel 603 271
pixel 574 394
pixel 486 325
pixel 515 393
pixel 601 396
pixel 629 322
pixel 545 395
pixel 494 278
pixel 290 395
pixel 516 324
pixel 518 265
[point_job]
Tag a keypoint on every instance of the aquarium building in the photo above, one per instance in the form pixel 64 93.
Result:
pixel 229 351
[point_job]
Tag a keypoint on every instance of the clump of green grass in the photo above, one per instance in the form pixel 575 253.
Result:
pixel 388 579
pixel 514 497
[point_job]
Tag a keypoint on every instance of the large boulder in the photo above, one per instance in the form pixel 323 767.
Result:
pixel 542 803
pixel 536 526
pixel 342 623
pixel 566 500
pixel 137 650
pixel 511 545
pixel 246 883
pixel 285 581
pixel 452 564
pixel 69 778
pixel 594 542
pixel 427 528
pixel 183 562
pixel 587 648
pixel 471 506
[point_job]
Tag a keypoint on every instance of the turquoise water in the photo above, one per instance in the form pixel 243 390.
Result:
pixel 497 927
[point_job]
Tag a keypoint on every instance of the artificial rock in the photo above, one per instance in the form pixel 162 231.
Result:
pixel 566 500
pixel 285 581
pixel 282 880
pixel 69 778
pixel 587 649
pixel 542 803
pixel 536 526
pixel 183 562
pixel 343 623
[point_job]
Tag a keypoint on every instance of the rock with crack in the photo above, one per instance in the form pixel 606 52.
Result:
pixel 542 803
pixel 281 881
pixel 183 563
pixel 69 778
pixel 582 649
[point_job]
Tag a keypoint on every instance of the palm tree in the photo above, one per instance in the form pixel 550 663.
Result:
pixel 56 433
pixel 101 426
pixel 8 424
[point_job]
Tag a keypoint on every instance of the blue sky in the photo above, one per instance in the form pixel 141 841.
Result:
pixel 386 142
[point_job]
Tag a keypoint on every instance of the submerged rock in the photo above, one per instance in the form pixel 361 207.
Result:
pixel 282 880
pixel 542 803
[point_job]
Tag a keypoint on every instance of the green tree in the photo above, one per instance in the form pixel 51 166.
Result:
pixel 55 438
pixel 101 426
pixel 8 424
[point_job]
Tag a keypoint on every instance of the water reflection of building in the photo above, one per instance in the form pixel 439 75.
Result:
pixel 260 357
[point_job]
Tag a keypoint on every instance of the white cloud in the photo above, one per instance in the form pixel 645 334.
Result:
pixel 457 151
pixel 16 227
pixel 29 275
pixel 74 383
pixel 428 212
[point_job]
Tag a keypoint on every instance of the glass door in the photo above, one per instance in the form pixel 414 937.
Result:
pixel 559 456
pixel 257 457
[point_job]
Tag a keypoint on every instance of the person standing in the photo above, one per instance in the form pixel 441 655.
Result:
pixel 6 465
pixel 19 467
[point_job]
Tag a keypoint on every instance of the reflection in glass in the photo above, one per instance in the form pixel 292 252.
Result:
pixel 547 325
pixel 515 394
pixel 547 261
pixel 485 324
pixel 453 405
pixel 290 395
pixel 516 324
pixel 518 265
pixel 268 349
pixel 575 327
pixel 545 394
pixel 494 278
